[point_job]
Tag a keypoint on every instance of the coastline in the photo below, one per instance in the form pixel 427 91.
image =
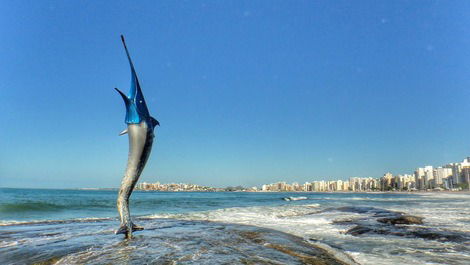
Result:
pixel 246 191
pixel 321 192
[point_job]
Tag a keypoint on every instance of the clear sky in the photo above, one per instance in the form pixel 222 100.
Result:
pixel 247 92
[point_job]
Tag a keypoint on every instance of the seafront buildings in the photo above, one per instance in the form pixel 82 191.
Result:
pixel 174 187
pixel 453 176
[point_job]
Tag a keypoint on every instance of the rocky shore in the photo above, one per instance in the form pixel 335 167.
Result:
pixel 162 242
pixel 385 222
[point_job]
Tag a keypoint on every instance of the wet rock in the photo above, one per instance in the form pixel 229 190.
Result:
pixel 443 236
pixel 391 223
pixel 359 230
pixel 377 212
pixel 355 209
pixel 343 221
pixel 402 219
pixel 407 231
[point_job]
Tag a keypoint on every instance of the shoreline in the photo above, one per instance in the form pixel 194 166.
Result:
pixel 328 192
pixel 246 191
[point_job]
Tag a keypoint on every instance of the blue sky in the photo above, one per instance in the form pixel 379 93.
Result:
pixel 247 92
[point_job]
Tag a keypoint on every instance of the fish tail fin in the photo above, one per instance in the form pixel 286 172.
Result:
pixel 122 230
pixel 128 228
pixel 136 227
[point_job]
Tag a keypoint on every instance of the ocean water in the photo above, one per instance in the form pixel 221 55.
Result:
pixel 76 226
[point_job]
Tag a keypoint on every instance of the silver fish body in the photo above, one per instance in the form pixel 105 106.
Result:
pixel 141 138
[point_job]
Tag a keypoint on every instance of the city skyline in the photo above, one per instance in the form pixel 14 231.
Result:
pixel 451 176
pixel 459 172
pixel 246 92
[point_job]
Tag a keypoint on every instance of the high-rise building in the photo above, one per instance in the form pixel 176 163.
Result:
pixel 386 181
pixel 465 174
pixel 346 185
pixel 419 178
pixel 440 174
pixel 454 180
pixel 339 185
pixel 428 177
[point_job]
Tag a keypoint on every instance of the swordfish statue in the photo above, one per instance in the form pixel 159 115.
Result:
pixel 140 126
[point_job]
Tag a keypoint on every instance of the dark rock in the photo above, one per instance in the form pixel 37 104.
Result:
pixel 424 233
pixel 377 212
pixel 402 219
pixel 386 213
pixel 359 230
pixel 391 223
pixel 343 221
pixel 443 236
pixel 355 209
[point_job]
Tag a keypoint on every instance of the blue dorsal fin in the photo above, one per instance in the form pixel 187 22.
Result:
pixel 124 97
pixel 135 92
pixel 132 115
pixel 135 86
pixel 127 53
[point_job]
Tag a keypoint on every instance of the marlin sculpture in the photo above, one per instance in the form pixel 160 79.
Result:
pixel 140 126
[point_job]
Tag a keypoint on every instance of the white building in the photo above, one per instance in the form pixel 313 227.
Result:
pixel 440 174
